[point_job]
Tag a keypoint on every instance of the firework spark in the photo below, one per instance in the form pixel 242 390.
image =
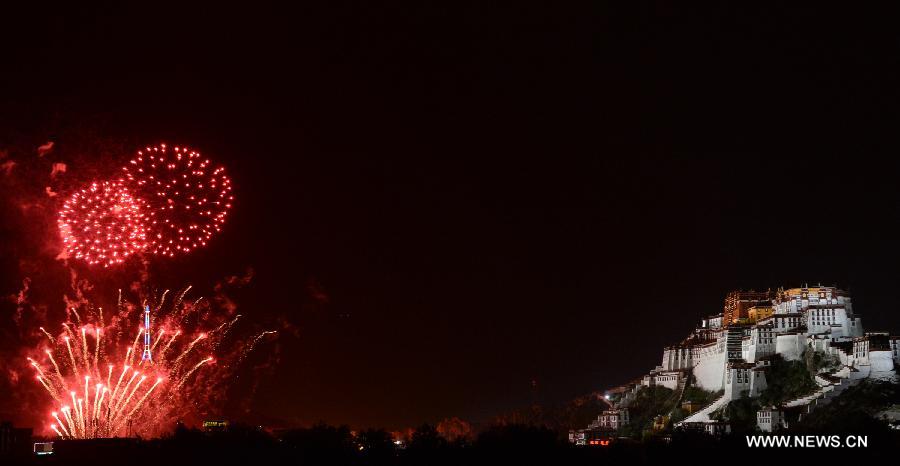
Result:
pixel 188 198
pixel 103 224
pixel 98 388
pixel 166 202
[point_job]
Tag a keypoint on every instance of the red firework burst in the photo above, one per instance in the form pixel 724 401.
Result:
pixel 186 196
pixel 103 224
pixel 95 371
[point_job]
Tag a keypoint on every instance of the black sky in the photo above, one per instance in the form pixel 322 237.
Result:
pixel 489 195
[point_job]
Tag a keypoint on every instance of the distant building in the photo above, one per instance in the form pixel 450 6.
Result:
pixel 756 313
pixel 591 437
pixel 43 448
pixel 759 343
pixel 660 422
pixel 821 309
pixel 734 343
pixel 714 428
pixel 614 418
pixel 577 437
pixel 744 379
pixel 215 426
pixel 770 419
pixel 14 440
pixel 731 352
pixel 610 419
pixel 717 428
pixel 738 304
pixel 712 322
pixel 690 406
pixel 668 379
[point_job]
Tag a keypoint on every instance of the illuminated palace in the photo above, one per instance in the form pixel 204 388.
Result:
pixel 728 352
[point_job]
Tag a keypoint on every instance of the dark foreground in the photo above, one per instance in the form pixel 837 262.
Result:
pixel 325 445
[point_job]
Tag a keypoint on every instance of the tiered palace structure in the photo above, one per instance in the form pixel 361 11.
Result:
pixel 729 352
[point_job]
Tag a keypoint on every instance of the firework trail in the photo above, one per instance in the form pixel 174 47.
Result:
pixel 49 337
pixel 224 329
pixel 259 337
pixel 249 348
pixel 98 388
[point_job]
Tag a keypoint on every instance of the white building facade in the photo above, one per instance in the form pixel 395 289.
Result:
pixel 818 318
pixel 770 419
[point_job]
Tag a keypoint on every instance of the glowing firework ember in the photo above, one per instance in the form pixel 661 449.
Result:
pixel 188 198
pixel 102 386
pixel 102 224
pixel 167 201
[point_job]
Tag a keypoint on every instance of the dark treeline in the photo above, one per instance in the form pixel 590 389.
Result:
pixel 498 445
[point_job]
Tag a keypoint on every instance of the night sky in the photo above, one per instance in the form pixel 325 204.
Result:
pixel 466 208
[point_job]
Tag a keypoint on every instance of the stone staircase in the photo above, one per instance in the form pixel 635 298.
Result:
pixel 805 400
pixel 703 414
pixel 679 390
pixel 830 386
